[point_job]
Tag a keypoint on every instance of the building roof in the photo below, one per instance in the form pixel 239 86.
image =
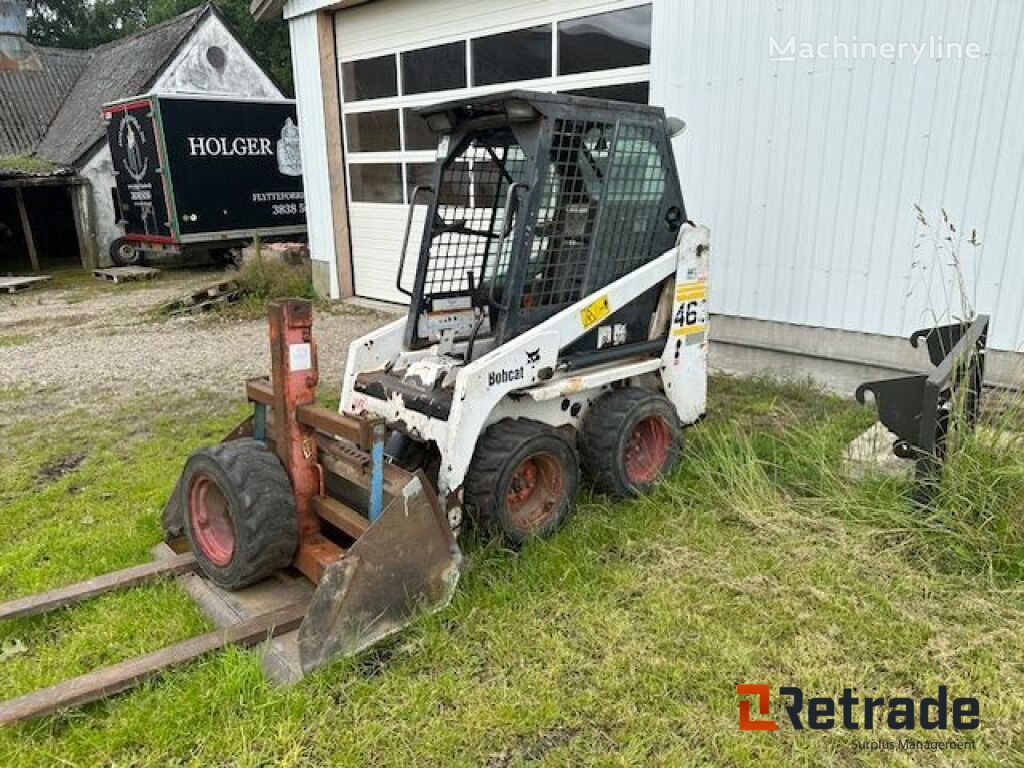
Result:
pixel 266 10
pixel 32 95
pixel 120 68
pixel 52 102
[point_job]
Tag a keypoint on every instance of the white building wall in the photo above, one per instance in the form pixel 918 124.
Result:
pixel 807 171
pixel 316 181
pixel 383 27
pixel 189 72
pixel 99 171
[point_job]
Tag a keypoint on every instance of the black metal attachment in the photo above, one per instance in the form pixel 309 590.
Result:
pixel 917 409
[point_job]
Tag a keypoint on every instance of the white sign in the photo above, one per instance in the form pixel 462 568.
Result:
pixel 300 357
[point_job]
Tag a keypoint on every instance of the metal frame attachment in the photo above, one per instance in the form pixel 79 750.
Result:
pixel 918 408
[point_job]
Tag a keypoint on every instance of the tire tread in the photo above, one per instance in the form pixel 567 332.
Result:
pixel 266 524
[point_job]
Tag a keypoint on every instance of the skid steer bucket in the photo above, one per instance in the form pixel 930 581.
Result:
pixel 405 565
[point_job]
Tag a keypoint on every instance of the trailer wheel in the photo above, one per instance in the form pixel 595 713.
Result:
pixel 239 512
pixel 522 480
pixel 124 254
pixel 631 439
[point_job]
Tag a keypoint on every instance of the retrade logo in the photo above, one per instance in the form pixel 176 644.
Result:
pixel 763 694
pixel 850 712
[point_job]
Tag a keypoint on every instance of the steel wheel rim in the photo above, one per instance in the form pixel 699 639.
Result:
pixel 535 489
pixel 212 528
pixel 647 450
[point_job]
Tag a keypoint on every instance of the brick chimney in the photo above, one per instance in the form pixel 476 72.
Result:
pixel 14 47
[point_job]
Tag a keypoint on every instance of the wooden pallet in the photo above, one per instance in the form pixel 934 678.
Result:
pixel 17 284
pixel 125 274
pixel 205 299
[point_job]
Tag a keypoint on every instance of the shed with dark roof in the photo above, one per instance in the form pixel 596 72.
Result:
pixel 55 167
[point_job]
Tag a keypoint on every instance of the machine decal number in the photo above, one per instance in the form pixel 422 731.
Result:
pixel 692 308
pixel 595 311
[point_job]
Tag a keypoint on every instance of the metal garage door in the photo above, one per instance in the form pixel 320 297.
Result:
pixel 399 55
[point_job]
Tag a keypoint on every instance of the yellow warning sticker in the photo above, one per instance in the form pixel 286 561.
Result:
pixel 688 291
pixel 595 311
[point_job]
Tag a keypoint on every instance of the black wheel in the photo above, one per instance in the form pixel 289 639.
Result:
pixel 239 512
pixel 522 480
pixel 124 254
pixel 631 438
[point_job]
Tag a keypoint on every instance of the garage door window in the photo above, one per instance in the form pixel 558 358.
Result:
pixel 438 68
pixel 636 93
pixel 373 131
pixel 375 78
pixel 605 41
pixel 417 135
pixel 376 182
pixel 524 54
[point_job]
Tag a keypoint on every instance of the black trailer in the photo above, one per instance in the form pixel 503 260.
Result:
pixel 199 173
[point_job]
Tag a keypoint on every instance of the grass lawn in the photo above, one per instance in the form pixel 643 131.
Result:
pixel 618 642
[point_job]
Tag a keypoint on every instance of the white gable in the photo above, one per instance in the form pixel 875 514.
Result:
pixel 213 61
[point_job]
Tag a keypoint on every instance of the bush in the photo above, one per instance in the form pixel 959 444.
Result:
pixel 269 277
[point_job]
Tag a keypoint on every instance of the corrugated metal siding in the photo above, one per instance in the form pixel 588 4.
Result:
pixel 807 171
pixel 316 181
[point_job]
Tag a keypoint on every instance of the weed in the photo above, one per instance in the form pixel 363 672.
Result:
pixel 268 276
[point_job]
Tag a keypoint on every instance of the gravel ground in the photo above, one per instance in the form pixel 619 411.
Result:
pixel 93 342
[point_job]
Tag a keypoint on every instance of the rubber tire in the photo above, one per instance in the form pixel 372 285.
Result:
pixel 499 452
pixel 261 505
pixel 136 260
pixel 607 427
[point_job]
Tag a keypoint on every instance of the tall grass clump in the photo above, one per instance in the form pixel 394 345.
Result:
pixel 979 492
pixel 270 277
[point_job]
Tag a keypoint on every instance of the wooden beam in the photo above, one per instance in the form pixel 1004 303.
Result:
pixel 341 516
pixel 108 582
pixel 260 390
pixel 41 181
pixel 335 152
pixel 26 229
pixel 107 681
pixel 357 431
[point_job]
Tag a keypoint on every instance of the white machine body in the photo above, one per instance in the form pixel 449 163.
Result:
pixel 522 378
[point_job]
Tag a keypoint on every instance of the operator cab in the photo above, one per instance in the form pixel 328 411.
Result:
pixel 537 200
